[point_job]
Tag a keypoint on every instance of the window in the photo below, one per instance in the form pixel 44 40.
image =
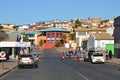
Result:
pixel 57 35
pixel 98 54
pixel 53 35
pixel 48 36
pixel 31 35
pixel 53 42
pixel 81 33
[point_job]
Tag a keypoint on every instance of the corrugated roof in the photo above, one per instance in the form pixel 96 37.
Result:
pixel 103 36
pixel 54 29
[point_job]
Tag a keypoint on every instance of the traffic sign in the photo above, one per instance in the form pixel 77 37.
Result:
pixel 2 55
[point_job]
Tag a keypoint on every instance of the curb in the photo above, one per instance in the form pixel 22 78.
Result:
pixel 112 63
pixel 7 71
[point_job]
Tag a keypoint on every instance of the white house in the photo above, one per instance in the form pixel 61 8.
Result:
pixel 82 34
pixel 98 41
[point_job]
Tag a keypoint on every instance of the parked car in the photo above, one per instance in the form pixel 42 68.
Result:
pixel 87 56
pixel 27 60
pixel 98 57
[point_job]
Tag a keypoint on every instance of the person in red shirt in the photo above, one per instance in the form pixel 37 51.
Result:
pixel 63 55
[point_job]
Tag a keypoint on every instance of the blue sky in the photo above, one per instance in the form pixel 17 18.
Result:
pixel 27 11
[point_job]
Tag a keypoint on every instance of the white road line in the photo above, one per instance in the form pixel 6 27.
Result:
pixel 84 77
pixel 78 73
pixel 81 75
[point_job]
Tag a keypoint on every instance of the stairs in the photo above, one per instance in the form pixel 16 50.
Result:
pixel 47 46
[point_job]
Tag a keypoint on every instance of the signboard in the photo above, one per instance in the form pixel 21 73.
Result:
pixel 2 55
pixel 15 44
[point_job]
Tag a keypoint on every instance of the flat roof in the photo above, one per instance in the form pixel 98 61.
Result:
pixel 54 29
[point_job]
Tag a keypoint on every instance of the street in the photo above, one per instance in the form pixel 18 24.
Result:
pixel 52 67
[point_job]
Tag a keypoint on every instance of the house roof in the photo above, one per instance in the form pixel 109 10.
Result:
pixel 103 36
pixel 89 29
pixel 54 29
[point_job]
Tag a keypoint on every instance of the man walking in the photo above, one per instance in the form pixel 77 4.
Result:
pixel 110 54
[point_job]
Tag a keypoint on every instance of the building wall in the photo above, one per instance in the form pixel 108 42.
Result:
pixel 101 44
pixel 80 38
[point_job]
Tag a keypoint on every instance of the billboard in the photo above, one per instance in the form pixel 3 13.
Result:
pixel 15 44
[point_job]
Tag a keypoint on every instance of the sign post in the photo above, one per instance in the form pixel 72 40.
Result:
pixel 2 57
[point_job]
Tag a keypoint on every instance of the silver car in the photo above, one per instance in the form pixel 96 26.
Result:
pixel 27 60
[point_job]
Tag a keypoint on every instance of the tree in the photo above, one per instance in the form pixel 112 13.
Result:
pixel 1 27
pixel 77 23
pixel 15 27
pixel 64 38
pixel 41 42
pixel 104 21
pixel 71 35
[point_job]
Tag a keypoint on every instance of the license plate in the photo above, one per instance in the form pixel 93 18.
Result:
pixel 25 62
pixel 98 60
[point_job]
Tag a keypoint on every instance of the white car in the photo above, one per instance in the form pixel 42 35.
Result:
pixel 97 57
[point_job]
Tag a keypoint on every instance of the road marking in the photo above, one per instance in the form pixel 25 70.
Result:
pixel 81 75
pixel 78 73
pixel 84 77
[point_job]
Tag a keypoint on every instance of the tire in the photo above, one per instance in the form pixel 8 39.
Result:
pixel 85 59
pixel 19 67
pixel 36 65
pixel 92 62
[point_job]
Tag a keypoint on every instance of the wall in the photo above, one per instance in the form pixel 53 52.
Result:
pixel 101 44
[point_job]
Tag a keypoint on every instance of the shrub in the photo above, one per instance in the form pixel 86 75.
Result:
pixel 58 44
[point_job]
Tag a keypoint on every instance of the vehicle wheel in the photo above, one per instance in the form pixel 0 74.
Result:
pixel 103 62
pixel 19 67
pixel 36 65
pixel 92 62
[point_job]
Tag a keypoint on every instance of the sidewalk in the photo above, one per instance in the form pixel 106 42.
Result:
pixel 8 66
pixel 114 61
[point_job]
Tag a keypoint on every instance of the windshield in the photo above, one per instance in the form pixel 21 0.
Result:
pixel 97 54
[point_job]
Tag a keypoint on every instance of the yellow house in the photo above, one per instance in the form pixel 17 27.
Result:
pixel 8 26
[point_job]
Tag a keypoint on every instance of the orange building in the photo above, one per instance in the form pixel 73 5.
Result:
pixel 48 38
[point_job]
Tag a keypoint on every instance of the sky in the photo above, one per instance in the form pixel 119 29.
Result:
pixel 21 12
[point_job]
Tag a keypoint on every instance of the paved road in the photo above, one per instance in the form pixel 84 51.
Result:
pixel 51 67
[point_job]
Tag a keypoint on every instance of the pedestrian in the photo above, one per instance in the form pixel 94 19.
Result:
pixel 110 54
pixel 106 54
pixel 63 55
pixel 78 55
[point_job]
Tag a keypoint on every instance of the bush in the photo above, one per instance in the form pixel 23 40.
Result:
pixel 58 44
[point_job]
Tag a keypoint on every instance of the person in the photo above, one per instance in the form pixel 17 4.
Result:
pixel 63 55
pixel 110 54
pixel 78 55
pixel 106 54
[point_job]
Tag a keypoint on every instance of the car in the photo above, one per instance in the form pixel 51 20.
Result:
pixel 27 60
pixel 97 57
pixel 87 56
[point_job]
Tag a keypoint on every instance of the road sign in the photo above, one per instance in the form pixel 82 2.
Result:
pixel 2 55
